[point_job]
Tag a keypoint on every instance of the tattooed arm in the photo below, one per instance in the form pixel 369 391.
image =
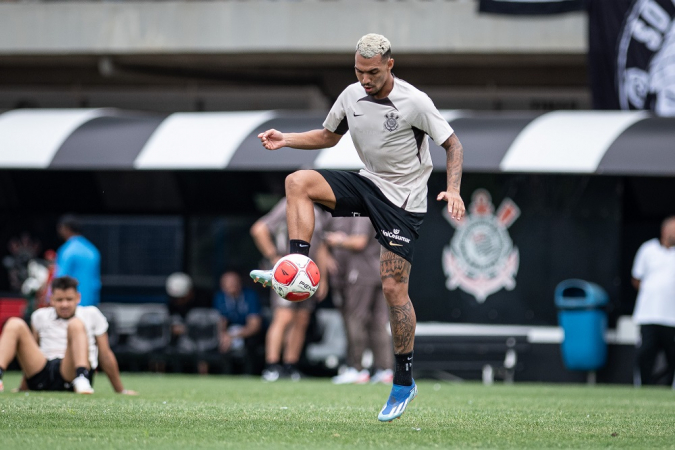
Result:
pixel 455 157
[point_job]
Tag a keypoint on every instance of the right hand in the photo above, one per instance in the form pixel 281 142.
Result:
pixel 225 342
pixel 272 139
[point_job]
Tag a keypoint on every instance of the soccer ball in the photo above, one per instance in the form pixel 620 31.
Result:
pixel 295 277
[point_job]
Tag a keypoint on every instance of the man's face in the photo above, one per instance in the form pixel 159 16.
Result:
pixel 668 234
pixel 230 284
pixel 65 301
pixel 372 73
pixel 62 231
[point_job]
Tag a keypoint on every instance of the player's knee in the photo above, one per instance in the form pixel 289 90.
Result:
pixel 75 325
pixel 296 184
pixel 394 291
pixel 15 324
pixel 302 319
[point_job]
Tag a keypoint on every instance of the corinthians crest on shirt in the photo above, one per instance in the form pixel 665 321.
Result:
pixel 646 57
pixel 391 124
pixel 481 258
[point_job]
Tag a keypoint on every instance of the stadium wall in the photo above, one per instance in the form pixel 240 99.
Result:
pixel 179 27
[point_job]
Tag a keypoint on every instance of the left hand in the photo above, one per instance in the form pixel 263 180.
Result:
pixel 335 238
pixel 455 203
pixel 128 392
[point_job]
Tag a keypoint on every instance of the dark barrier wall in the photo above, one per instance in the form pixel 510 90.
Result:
pixel 568 227
pixel 562 226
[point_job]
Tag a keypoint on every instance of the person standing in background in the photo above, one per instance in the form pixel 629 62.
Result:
pixel 286 334
pixel 356 281
pixel 654 278
pixel 80 259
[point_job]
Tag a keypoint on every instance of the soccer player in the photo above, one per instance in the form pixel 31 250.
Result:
pixel 65 346
pixel 388 119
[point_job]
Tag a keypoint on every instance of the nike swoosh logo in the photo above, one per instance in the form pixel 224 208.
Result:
pixel 357 115
pixel 395 245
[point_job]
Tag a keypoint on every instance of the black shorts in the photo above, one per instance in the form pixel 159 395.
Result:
pixel 397 229
pixel 50 379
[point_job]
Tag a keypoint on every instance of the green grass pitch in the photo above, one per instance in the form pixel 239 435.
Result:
pixel 192 412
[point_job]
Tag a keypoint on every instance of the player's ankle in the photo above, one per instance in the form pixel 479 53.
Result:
pixel 403 372
pixel 299 246
pixel 82 371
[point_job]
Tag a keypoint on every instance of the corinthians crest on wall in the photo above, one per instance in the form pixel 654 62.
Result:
pixel 481 258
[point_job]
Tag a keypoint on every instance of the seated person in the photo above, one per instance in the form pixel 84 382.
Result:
pixel 65 347
pixel 240 312
pixel 181 300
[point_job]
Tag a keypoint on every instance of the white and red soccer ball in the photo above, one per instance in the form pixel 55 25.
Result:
pixel 295 277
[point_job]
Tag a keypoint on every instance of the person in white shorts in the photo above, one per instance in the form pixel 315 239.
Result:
pixel 389 121
pixel 64 347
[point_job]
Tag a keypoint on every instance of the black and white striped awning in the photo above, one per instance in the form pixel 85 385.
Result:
pixel 601 142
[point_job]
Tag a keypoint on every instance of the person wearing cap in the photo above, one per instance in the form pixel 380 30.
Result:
pixel 181 300
pixel 80 259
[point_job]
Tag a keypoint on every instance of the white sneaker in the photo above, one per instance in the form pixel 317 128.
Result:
pixel 81 385
pixel 263 277
pixel 383 376
pixel 271 373
pixel 352 376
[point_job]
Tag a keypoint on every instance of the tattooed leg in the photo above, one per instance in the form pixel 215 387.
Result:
pixel 395 274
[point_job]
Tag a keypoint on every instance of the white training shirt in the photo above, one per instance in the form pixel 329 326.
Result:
pixel 390 136
pixel 654 266
pixel 53 331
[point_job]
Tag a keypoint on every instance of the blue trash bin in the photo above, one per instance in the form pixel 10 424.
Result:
pixel 584 322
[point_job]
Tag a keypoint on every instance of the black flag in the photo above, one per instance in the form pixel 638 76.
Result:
pixel 532 7
pixel 631 54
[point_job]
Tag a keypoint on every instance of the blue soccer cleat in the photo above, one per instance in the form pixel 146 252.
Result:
pixel 398 400
pixel 263 277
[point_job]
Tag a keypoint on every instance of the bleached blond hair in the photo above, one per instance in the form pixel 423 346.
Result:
pixel 373 44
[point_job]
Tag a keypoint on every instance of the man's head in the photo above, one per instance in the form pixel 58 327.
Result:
pixel 68 226
pixel 65 296
pixel 179 287
pixel 230 283
pixel 373 64
pixel 668 232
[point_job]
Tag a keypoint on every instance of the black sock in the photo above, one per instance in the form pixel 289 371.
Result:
pixel 2 372
pixel 82 371
pixel 289 368
pixel 403 371
pixel 299 246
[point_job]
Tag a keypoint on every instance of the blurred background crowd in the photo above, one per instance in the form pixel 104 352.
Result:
pixel 127 138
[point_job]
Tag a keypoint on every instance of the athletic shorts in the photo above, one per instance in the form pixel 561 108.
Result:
pixel 50 379
pixel 278 302
pixel 397 229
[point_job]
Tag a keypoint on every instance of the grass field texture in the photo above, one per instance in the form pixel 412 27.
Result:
pixel 186 412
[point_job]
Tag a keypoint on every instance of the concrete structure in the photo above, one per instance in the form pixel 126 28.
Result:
pixel 262 54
